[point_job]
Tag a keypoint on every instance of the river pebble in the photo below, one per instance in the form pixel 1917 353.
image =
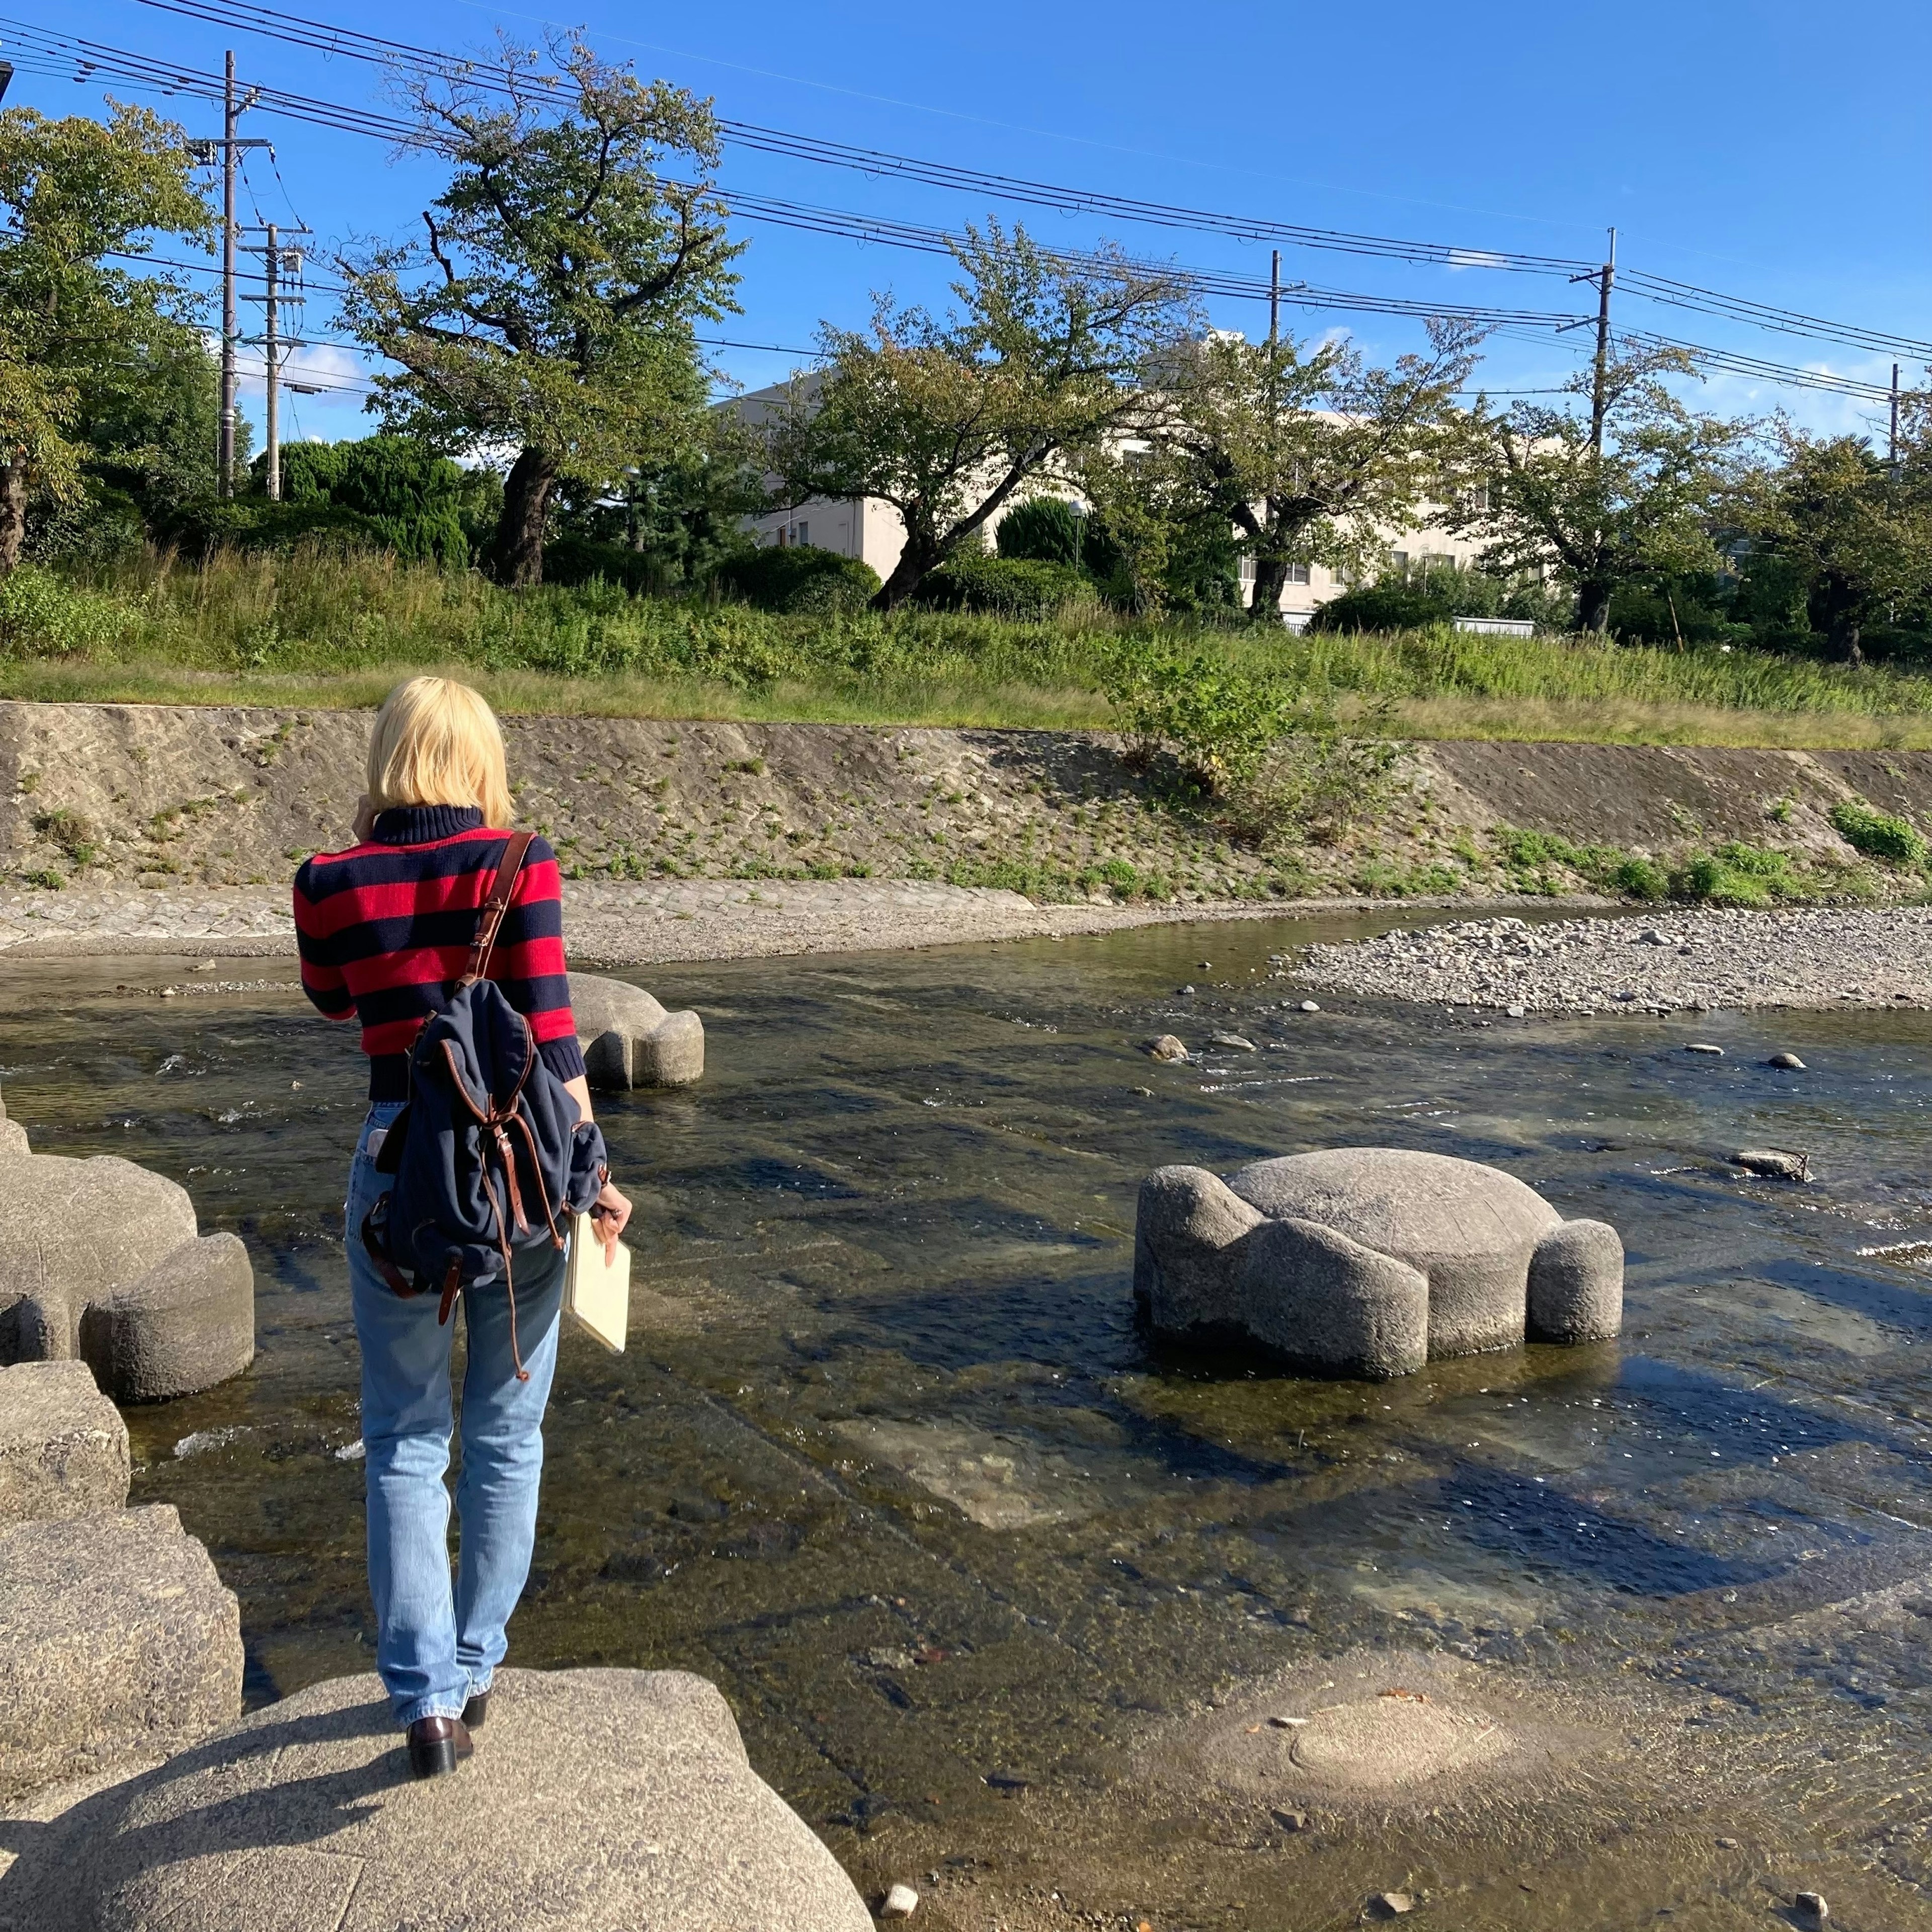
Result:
pixel 1700 960
pixel 1166 1047
pixel 900 1903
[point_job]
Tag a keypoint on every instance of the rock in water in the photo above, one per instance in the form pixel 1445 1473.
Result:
pixel 1774 1163
pixel 1368 1260
pixel 596 1799
pixel 1810 1908
pixel 1788 1062
pixel 901 1902
pixel 117 1642
pixel 1235 1043
pixel 1391 1904
pixel 63 1445
pixel 1166 1047
pixel 629 1040
pixel 1703 1046
pixel 100 1259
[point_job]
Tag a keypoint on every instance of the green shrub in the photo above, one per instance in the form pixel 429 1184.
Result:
pixel 797 578
pixel 200 529
pixel 41 615
pixel 1316 782
pixel 1220 720
pixel 1393 605
pixel 1005 586
pixel 1638 878
pixel 1877 834
pixel 1043 529
pixel 575 560
pixel 1736 874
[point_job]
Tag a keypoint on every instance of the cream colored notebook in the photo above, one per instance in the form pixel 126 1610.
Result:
pixel 596 1292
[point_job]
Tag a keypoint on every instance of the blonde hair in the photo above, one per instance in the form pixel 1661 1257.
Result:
pixel 436 742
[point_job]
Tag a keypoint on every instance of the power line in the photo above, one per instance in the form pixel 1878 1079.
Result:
pixel 95 58
pixel 324 37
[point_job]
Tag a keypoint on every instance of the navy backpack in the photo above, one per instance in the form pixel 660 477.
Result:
pixel 490 1157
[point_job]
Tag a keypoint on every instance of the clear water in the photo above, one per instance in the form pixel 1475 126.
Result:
pixel 888 1459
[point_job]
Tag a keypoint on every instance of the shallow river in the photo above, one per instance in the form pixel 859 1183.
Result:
pixel 980 1574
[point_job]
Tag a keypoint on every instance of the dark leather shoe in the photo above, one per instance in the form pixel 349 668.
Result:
pixel 437 1745
pixel 476 1710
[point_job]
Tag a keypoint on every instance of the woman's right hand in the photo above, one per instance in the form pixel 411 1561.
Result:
pixel 609 1213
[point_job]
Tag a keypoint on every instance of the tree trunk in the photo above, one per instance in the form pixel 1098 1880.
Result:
pixel 1593 605
pixel 914 566
pixel 1846 631
pixel 1270 578
pixel 13 514
pixel 516 556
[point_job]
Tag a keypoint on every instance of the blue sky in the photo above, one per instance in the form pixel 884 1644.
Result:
pixel 1775 151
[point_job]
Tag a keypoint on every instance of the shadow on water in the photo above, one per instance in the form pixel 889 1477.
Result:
pixel 889 1459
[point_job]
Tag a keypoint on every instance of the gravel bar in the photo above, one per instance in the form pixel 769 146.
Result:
pixel 610 924
pixel 1694 962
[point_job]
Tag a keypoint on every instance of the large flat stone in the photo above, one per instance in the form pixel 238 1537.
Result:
pixel 63 1445
pixel 597 1800
pixel 100 1260
pixel 117 1642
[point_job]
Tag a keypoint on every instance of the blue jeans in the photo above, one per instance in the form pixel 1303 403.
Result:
pixel 435 1648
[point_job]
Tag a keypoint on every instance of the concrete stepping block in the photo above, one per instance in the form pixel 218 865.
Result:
pixel 629 1040
pixel 101 1260
pixel 63 1445
pixel 1369 1261
pixel 596 1799
pixel 117 1645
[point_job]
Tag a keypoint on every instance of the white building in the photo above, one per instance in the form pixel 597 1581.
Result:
pixel 868 529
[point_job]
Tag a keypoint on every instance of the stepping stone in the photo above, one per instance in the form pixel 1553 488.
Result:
pixel 117 1645
pixel 596 1799
pixel 63 1445
pixel 629 1040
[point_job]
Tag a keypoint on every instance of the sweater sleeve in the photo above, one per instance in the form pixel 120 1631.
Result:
pixel 528 961
pixel 322 978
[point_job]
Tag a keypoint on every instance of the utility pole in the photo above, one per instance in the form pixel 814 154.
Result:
pixel 1600 400
pixel 271 355
pixel 1891 444
pixel 276 259
pixel 224 461
pixel 1274 298
pixel 227 150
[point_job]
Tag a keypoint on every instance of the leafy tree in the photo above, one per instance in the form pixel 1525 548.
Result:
pixel 1859 539
pixel 948 420
pixel 1305 451
pixel 550 306
pixel 1638 509
pixel 1155 543
pixel 90 354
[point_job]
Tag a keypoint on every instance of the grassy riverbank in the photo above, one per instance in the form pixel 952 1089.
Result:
pixel 316 629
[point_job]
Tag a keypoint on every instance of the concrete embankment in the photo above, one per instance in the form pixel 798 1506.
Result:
pixel 878 836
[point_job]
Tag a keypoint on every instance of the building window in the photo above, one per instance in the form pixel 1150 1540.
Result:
pixel 802 534
pixel 1298 573
pixel 1398 558
pixel 1247 570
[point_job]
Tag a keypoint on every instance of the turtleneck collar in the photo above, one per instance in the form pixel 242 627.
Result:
pixel 423 824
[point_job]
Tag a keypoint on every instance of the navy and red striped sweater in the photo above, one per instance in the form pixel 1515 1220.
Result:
pixel 385 930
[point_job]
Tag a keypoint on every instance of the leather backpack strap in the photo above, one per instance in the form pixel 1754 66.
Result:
pixel 490 914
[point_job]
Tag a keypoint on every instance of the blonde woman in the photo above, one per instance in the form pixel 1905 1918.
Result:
pixel 385 929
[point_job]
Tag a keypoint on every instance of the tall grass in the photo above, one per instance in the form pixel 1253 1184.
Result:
pixel 325 628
